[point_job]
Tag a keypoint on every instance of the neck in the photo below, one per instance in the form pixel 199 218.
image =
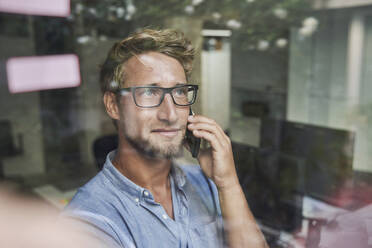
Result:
pixel 149 173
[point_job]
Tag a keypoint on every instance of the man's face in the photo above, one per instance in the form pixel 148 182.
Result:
pixel 158 131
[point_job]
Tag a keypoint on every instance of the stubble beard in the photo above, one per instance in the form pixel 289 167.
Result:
pixel 152 148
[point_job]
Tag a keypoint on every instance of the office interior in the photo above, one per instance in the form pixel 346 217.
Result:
pixel 297 108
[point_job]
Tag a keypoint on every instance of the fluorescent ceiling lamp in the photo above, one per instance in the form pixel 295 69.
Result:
pixel 42 73
pixel 216 32
pixel 36 7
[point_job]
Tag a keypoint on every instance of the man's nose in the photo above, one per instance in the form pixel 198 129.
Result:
pixel 167 110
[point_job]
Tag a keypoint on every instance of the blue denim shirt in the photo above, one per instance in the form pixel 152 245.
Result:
pixel 122 214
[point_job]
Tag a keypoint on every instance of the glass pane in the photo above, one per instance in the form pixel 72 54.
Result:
pixel 288 81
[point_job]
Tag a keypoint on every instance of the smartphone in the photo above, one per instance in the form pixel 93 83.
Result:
pixel 192 141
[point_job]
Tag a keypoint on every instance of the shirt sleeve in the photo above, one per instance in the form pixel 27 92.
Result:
pixel 96 228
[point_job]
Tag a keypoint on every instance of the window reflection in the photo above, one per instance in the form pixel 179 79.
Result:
pixel 293 82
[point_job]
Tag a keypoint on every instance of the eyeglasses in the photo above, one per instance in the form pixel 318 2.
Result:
pixel 153 96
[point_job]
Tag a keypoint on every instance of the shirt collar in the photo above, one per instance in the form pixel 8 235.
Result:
pixel 120 181
pixel 178 175
pixel 124 184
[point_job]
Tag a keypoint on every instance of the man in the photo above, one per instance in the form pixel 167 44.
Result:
pixel 141 198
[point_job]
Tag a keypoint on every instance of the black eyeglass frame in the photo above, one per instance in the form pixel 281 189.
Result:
pixel 164 91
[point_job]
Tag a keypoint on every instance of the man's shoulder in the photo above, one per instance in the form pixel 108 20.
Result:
pixel 94 209
pixel 93 195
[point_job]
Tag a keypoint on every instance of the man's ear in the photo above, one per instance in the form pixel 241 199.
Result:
pixel 112 108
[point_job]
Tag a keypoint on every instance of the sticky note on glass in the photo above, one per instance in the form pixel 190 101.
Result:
pixel 37 7
pixel 42 73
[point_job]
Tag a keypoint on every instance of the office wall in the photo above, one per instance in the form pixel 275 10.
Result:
pixel 93 121
pixel 216 87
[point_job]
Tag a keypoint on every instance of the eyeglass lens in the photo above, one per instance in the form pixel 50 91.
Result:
pixel 151 96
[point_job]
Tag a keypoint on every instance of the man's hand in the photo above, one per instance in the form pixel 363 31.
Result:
pixel 217 161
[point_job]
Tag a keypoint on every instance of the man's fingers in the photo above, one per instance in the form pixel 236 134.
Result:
pixel 210 128
pixel 210 137
pixel 202 122
pixel 200 118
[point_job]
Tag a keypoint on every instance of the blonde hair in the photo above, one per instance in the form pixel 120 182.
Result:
pixel 169 42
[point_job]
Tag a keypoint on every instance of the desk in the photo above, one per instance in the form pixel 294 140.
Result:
pixel 54 196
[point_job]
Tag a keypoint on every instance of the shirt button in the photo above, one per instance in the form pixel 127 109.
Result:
pixel 146 193
pixel 165 216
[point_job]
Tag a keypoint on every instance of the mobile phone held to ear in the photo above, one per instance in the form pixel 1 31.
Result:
pixel 192 141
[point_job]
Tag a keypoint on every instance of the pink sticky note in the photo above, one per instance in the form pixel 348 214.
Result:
pixel 43 72
pixel 37 7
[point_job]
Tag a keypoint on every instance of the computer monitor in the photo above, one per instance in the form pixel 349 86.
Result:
pixel 327 154
pixel 293 160
pixel 271 201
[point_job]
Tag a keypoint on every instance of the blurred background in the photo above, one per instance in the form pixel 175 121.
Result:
pixel 288 80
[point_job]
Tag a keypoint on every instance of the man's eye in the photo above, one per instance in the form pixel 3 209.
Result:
pixel 181 92
pixel 149 92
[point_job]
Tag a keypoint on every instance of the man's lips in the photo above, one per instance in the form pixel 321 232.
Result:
pixel 167 132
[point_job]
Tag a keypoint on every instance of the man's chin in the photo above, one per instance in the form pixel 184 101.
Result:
pixel 168 152
pixel 166 149
pixel 155 150
pixel 162 154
